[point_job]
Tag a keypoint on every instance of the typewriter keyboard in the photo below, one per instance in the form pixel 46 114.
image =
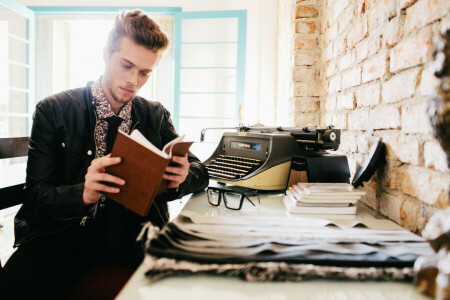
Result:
pixel 232 167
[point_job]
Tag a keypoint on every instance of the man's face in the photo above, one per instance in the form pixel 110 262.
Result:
pixel 126 71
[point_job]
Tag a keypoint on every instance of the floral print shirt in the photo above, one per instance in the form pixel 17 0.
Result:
pixel 103 110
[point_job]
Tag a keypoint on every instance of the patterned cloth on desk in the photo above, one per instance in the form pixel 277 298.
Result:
pixel 161 267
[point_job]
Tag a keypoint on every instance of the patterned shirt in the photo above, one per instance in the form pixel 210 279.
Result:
pixel 103 110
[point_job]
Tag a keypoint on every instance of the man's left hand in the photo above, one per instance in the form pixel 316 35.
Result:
pixel 177 174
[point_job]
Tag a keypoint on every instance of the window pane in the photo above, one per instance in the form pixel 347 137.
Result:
pixel 17 25
pixel 215 81
pixel 213 55
pixel 18 50
pixel 18 102
pixel 221 106
pixel 13 126
pixel 4 75
pixel 210 30
pixel 18 76
pixel 193 127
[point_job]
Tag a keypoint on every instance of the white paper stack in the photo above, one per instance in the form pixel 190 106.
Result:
pixel 322 198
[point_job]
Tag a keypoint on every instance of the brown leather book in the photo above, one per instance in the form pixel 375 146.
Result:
pixel 142 167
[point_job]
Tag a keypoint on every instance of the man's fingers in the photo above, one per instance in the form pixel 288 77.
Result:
pixel 106 161
pixel 102 188
pixel 108 178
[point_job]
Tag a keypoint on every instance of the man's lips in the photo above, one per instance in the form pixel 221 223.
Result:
pixel 127 90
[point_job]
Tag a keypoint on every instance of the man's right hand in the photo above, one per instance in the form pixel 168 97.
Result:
pixel 96 176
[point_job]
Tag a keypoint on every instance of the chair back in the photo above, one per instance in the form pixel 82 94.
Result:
pixel 12 148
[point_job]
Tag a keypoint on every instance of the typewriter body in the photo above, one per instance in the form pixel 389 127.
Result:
pixel 265 158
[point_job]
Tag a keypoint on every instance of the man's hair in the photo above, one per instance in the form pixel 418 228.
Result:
pixel 142 29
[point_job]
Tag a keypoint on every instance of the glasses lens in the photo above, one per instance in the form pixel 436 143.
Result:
pixel 213 197
pixel 232 200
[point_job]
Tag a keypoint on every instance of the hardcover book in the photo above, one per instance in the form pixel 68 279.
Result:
pixel 142 167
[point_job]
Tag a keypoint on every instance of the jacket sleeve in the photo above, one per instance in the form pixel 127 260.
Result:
pixel 197 178
pixel 46 196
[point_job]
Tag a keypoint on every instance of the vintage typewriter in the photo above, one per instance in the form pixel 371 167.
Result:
pixel 268 158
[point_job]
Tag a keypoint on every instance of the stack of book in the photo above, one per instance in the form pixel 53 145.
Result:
pixel 322 198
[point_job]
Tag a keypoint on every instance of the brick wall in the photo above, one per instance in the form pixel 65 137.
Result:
pixel 307 83
pixel 373 79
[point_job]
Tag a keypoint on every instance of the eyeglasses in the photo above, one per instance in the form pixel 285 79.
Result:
pixel 232 197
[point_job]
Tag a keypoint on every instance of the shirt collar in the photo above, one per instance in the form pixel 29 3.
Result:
pixel 102 105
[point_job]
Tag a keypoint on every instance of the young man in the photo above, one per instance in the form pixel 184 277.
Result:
pixel 66 226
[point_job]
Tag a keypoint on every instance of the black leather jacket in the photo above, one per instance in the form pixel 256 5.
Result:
pixel 61 149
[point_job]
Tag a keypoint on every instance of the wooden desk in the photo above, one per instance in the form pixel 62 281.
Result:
pixel 216 287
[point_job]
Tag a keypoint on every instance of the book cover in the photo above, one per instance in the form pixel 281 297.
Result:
pixel 142 167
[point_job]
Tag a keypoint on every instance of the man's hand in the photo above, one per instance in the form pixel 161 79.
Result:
pixel 177 174
pixel 95 176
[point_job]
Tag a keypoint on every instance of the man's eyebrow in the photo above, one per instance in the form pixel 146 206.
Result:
pixel 129 62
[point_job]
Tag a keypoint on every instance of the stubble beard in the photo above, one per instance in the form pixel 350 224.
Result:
pixel 113 94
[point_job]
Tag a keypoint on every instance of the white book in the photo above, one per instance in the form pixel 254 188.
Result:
pixel 327 189
pixel 320 200
pixel 292 208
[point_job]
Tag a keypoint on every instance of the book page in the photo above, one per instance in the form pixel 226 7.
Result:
pixel 137 136
pixel 168 147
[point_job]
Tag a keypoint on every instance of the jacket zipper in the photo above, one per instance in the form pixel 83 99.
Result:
pixel 131 130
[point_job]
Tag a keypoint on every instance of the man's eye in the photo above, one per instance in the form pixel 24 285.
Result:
pixel 126 66
pixel 144 74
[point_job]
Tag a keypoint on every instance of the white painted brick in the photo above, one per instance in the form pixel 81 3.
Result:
pixel 428 82
pixel 367 48
pixel 307 89
pixel 368 95
pixel 415 119
pixel 357 119
pixel 334 84
pixel 411 51
pixel 393 31
pixel 348 142
pixel 339 120
pixel 345 101
pixel 347 61
pixel 385 117
pixel 424 184
pixel 375 67
pixel 339 47
pixel 400 86
pixel 331 68
pixel 425 12
pixel 404 148
pixel 435 157
pixel 330 103
pixel 351 78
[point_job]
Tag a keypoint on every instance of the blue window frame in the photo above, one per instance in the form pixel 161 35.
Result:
pixel 218 73
pixel 17 26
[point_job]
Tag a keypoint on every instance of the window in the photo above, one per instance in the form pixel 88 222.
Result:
pixel 16 82
pixel 16 69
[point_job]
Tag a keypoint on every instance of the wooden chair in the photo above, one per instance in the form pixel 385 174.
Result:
pixel 11 148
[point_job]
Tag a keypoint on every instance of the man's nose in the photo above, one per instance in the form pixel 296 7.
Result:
pixel 133 77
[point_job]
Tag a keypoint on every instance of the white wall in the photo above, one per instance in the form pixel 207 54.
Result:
pixel 261 44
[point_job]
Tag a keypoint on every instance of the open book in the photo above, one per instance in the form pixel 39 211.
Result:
pixel 143 166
